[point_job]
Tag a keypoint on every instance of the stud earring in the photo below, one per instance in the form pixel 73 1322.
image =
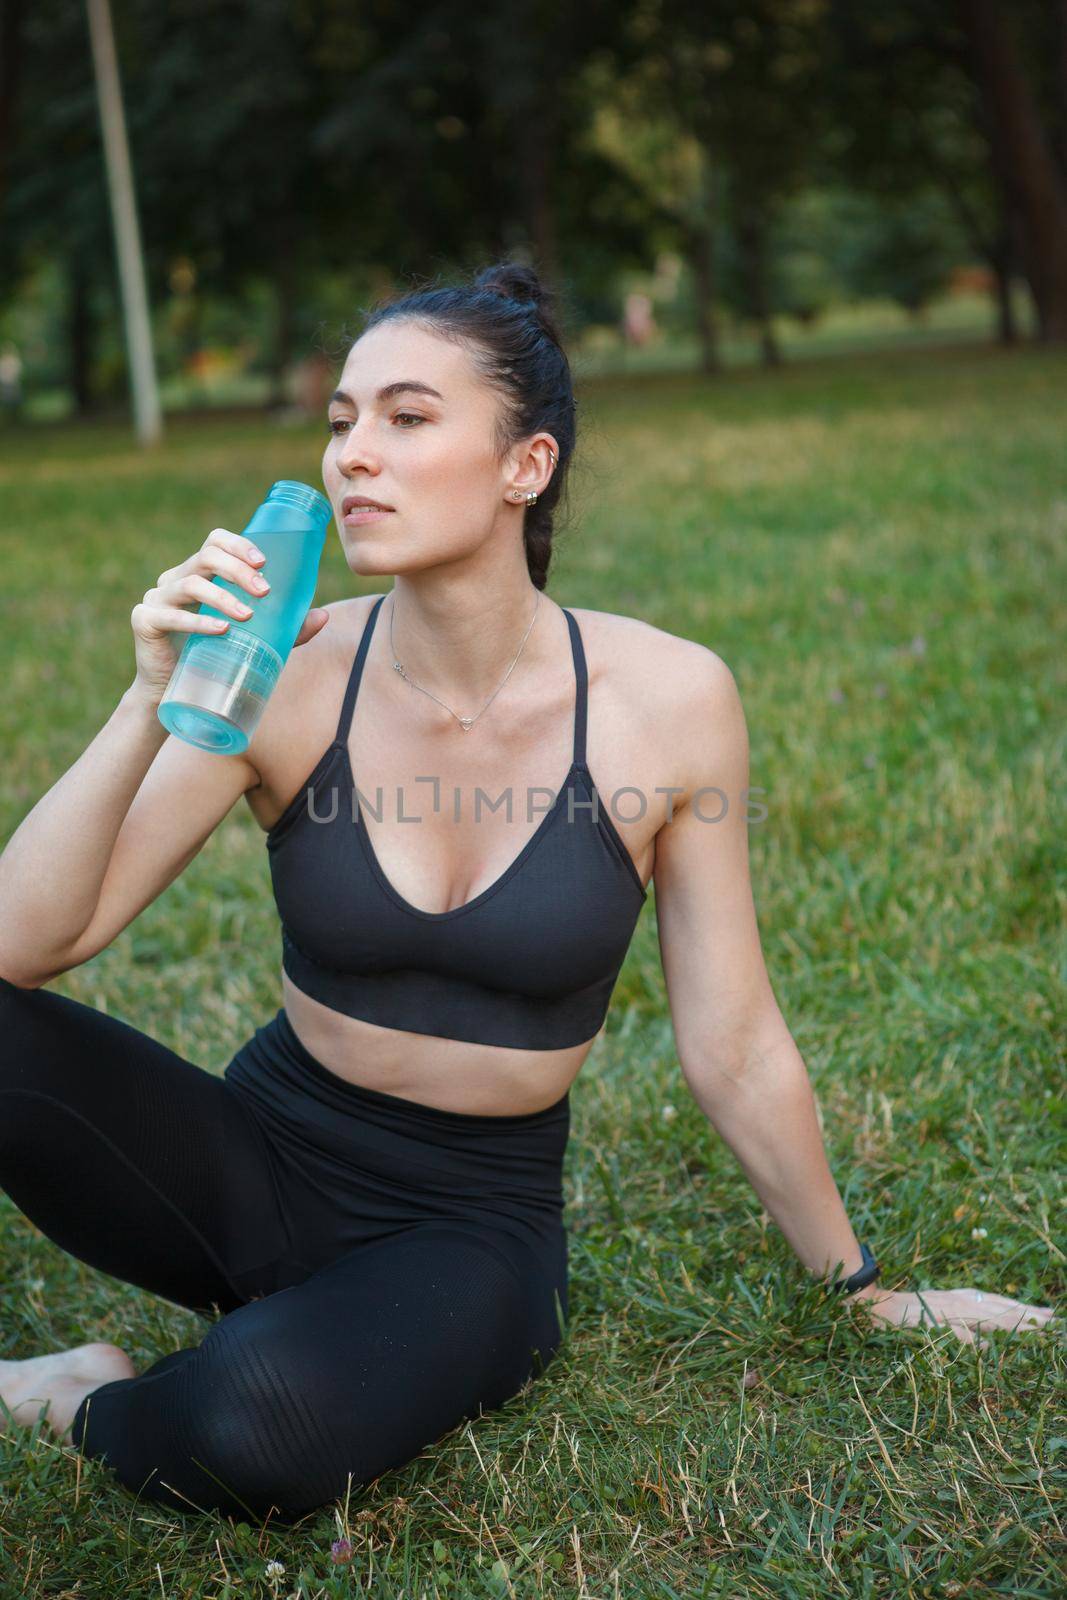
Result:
pixel 531 497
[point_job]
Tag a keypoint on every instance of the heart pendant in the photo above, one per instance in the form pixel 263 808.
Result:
pixel 465 723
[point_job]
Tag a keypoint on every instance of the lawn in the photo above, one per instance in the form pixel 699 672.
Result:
pixel 875 544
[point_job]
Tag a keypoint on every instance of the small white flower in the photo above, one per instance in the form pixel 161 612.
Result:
pixel 978 1233
pixel 275 1569
pixel 668 1113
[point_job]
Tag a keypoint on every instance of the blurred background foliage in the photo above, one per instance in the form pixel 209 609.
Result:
pixel 702 181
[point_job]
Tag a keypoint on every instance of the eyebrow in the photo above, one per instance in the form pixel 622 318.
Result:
pixel 390 391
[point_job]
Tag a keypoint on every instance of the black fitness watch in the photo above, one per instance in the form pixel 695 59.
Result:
pixel 863 1275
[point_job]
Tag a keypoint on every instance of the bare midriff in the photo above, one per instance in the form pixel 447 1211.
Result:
pixel 457 1074
pixel 453 1074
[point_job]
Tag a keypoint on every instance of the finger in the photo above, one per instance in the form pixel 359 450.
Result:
pixel 172 619
pixel 1031 1315
pixel 237 544
pixel 1030 1324
pixel 237 567
pixel 194 587
pixel 313 623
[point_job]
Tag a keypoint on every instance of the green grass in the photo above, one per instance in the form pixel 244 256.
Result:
pixel 875 544
pixel 867 326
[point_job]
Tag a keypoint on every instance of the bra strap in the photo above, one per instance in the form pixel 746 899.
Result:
pixel 581 696
pixel 349 704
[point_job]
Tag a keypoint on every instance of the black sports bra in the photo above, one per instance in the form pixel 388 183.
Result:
pixel 530 962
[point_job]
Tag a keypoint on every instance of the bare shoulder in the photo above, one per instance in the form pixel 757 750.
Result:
pixel 685 693
pixel 663 670
pixel 300 718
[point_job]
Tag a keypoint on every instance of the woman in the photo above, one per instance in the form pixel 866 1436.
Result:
pixel 372 1192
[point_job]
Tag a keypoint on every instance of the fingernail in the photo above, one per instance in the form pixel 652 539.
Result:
pixel 257 554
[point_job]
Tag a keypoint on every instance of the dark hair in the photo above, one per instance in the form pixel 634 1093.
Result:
pixel 506 318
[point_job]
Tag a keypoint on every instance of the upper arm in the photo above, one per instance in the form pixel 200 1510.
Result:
pixel 183 797
pixel 720 995
pixel 187 792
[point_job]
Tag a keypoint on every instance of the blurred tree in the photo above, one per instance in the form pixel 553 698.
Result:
pixel 12 13
pixel 55 204
pixel 806 246
pixel 283 155
pixel 221 107
pixel 900 248
pixel 476 122
pixel 312 140
pixel 1023 141
pixel 670 175
pixel 766 114
pixel 712 110
pixel 899 85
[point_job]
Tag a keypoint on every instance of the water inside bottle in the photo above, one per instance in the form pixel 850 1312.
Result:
pixel 217 695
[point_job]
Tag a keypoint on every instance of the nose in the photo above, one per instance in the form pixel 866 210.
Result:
pixel 353 455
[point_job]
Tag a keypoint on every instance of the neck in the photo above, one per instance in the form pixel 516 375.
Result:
pixel 459 644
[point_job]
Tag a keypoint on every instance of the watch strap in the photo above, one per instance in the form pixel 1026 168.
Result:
pixel 864 1274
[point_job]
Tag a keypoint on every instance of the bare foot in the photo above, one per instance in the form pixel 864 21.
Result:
pixel 63 1378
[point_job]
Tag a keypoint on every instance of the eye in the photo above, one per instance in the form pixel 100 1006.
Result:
pixel 335 426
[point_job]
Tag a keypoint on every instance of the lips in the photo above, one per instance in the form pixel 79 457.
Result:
pixel 357 502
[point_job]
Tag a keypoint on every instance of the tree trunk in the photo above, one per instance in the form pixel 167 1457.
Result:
pixel 285 291
pixel 997 250
pixel 536 130
pixel 701 241
pixel 1035 183
pixel 702 258
pixel 1007 333
pixel 11 14
pixel 1004 255
pixel 540 213
pixel 80 335
pixel 1059 133
pixel 752 237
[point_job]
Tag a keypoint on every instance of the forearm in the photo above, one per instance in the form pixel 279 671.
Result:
pixel 53 866
pixel 766 1115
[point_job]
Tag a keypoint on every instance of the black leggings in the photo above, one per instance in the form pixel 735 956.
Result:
pixel 386 1269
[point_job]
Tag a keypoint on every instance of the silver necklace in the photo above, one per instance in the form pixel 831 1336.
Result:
pixel 466 723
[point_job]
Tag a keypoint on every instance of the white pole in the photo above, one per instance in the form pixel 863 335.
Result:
pixel 127 234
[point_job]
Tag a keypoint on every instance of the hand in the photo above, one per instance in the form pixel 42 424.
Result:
pixel 963 1310
pixel 162 611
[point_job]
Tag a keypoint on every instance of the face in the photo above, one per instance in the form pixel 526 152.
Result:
pixel 430 456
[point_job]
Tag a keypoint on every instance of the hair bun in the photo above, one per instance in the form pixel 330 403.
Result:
pixel 514 281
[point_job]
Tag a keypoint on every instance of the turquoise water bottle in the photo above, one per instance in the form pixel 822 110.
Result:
pixel 221 684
